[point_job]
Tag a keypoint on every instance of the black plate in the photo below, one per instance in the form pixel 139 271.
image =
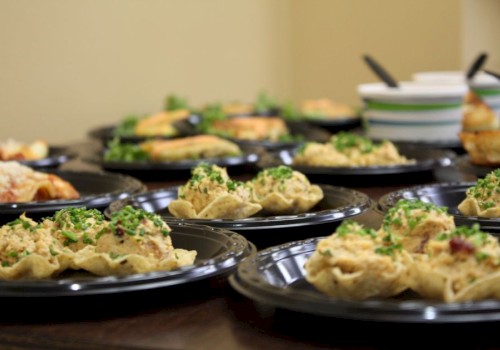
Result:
pixel 334 125
pixel 148 170
pixel 57 156
pixel 296 128
pixel 107 133
pixel 276 276
pixel 339 203
pixel 464 164
pixel 97 190
pixel 428 160
pixel 219 251
pixel 445 194
pixel 453 145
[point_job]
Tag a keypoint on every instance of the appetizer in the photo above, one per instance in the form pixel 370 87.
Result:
pixel 418 247
pixel 483 146
pixel 281 190
pixel 252 128
pixel 480 135
pixel 415 222
pixel 185 148
pixel 132 241
pixel 20 183
pixel 457 266
pixel 160 124
pixel 325 108
pixel 211 194
pixel 347 149
pixel 478 115
pixel 157 124
pixel 16 150
pixel 483 199
pixel 355 263
pixel 245 128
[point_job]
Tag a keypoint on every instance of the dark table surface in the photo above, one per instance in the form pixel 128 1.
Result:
pixel 211 315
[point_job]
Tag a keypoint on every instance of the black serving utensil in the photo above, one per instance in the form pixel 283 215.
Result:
pixel 476 66
pixel 380 71
pixel 493 74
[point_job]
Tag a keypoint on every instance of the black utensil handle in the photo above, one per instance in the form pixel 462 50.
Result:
pixel 476 65
pixel 380 72
pixel 494 74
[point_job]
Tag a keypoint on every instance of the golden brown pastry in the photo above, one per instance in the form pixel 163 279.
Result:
pixel 211 194
pixel 282 190
pixel 483 147
pixel 252 128
pixel 483 199
pixel 132 241
pixel 347 149
pixel 415 222
pixel 15 150
pixel 28 250
pixel 19 183
pixel 160 124
pixel 458 266
pixel 478 115
pixel 194 147
pixel 355 263
pixel 135 241
pixel 236 107
pixel 326 108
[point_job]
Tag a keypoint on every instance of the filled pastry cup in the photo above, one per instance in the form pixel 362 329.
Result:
pixel 281 190
pixel 355 264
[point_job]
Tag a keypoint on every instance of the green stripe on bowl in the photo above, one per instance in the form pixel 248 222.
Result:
pixel 410 107
pixel 413 123
pixel 487 92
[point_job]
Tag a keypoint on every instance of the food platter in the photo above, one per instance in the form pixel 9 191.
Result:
pixel 219 251
pixel 97 190
pixel 444 194
pixel 339 203
pixel 427 161
pixel 275 276
pixel 56 157
pixel 298 129
pixel 173 169
pixel 336 124
pixel 107 133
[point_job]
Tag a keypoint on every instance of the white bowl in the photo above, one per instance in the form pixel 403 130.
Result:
pixel 484 85
pixel 413 111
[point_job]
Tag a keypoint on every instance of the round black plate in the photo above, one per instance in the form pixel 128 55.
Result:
pixel 276 276
pixel 454 145
pixel 427 160
pixel 219 251
pixel 296 128
pixel 97 190
pixel 338 203
pixel 445 194
pixel 334 125
pixel 147 170
pixel 107 133
pixel 57 156
pixel 464 164
pixel 246 158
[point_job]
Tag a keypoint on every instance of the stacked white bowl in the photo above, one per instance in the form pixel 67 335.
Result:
pixel 413 111
pixel 484 85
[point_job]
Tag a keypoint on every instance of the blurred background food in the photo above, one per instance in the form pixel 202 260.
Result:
pixel 70 66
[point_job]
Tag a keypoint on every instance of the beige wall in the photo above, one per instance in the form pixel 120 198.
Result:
pixel 481 32
pixel 330 38
pixel 70 65
pixel 67 66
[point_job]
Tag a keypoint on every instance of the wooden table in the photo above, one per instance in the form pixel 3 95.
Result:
pixel 211 315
